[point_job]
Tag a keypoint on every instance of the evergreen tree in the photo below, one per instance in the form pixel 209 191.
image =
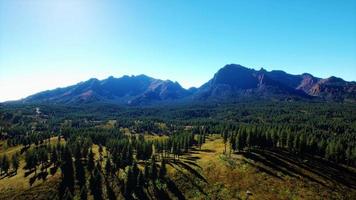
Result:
pixel 83 193
pixel 5 164
pixel 232 142
pixel 15 162
pixel 131 180
pixel 162 170
pixel 67 181
pixel 140 180
pixel 31 160
pixel 248 140
pixel 225 137
pixel 146 171
pixel 108 167
pixel 79 171
pixel 0 165
pixel 54 157
pixel 110 192
pixel 91 161
pixel 153 169
pixel 95 183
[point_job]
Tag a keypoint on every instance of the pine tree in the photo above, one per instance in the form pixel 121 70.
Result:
pixel 353 156
pixel 140 180
pixel 131 180
pixel 84 193
pixel 91 162
pixel 67 172
pixel 110 192
pixel 146 171
pixel 153 169
pixel 232 142
pixel 42 156
pixel 108 167
pixel 79 171
pixel 5 164
pixel 225 137
pixel 0 165
pixel 54 157
pixel 95 183
pixel 248 140
pixel 162 170
pixel 15 162
pixel 289 141
pixel 31 160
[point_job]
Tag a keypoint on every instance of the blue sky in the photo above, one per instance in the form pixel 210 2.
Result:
pixel 47 44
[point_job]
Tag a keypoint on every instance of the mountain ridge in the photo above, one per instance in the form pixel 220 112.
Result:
pixel 228 83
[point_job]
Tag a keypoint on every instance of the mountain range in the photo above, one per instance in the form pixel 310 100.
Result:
pixel 229 84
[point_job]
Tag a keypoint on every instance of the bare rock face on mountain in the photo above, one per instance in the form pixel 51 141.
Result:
pixel 307 82
pixel 229 84
pixel 334 88
pixel 160 91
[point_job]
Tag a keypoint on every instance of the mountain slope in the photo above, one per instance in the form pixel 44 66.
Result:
pixel 125 90
pixel 237 81
pixel 230 83
pixel 334 88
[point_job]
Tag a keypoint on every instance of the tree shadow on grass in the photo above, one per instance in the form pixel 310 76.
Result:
pixel 41 175
pixel 172 187
pixel 29 172
pixel 192 163
pixel 32 180
pixel 141 194
pixel 161 194
pixel 263 169
pixel 288 164
pixel 332 172
pixel 191 170
pixel 192 158
pixel 11 174
pixel 23 149
pixel 207 150
pixel 53 170
pixel 186 176
pixel 273 164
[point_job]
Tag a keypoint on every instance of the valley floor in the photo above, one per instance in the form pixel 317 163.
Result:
pixel 209 173
pixel 264 175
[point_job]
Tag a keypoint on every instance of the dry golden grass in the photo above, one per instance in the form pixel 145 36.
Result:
pixel 227 177
pixel 150 137
pixel 230 176
pixel 18 184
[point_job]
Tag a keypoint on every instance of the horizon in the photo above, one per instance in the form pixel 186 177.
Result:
pixel 49 44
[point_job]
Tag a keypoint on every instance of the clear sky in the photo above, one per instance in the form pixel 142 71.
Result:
pixel 46 44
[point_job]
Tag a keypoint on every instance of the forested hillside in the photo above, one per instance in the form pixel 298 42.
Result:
pixel 112 152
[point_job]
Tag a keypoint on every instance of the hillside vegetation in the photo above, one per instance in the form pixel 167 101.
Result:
pixel 247 150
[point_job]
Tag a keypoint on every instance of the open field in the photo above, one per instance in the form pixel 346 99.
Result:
pixel 267 175
pixel 25 183
pixel 209 173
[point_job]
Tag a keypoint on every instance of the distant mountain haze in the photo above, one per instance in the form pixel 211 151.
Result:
pixel 229 83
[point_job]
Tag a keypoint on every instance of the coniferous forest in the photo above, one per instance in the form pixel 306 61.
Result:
pixel 177 100
pixel 172 152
